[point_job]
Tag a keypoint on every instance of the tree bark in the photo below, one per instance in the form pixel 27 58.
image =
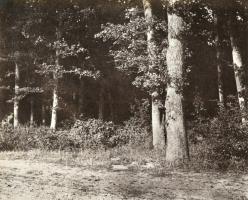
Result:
pixel 16 96
pixel 219 58
pixel 157 128
pixel 55 102
pixel 177 145
pixel 32 111
pixel 238 67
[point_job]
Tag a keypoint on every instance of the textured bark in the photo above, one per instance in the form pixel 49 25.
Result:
pixel 238 67
pixel 31 111
pixel 101 104
pixel 55 102
pixel 177 149
pixel 218 57
pixel 157 126
pixel 16 95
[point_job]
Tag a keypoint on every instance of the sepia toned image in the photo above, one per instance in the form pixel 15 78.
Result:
pixel 123 100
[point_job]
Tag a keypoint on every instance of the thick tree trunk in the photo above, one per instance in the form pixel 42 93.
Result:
pixel 16 95
pixel 32 111
pixel 177 146
pixel 157 123
pixel 157 128
pixel 238 67
pixel 55 102
pixel 219 58
pixel 101 104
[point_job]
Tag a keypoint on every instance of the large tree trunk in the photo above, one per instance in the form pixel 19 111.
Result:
pixel 157 127
pixel 101 104
pixel 219 58
pixel 238 67
pixel 16 95
pixel 32 111
pixel 177 146
pixel 55 102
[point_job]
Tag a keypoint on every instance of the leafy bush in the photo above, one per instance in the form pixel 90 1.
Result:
pixel 223 139
pixel 27 138
pixel 133 132
pixel 85 134
pixel 92 133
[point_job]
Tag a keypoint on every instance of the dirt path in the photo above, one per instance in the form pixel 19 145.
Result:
pixel 36 180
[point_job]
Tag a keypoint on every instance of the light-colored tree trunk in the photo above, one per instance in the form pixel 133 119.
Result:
pixel 32 111
pixel 16 95
pixel 157 123
pixel 157 126
pixel 219 58
pixel 177 145
pixel 101 104
pixel 43 114
pixel 238 67
pixel 55 102
pixel 55 105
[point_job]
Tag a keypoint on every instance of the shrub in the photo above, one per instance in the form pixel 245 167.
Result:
pixel 92 133
pixel 133 132
pixel 224 140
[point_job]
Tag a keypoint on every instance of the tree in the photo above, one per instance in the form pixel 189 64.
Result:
pixel 59 43
pixel 218 42
pixel 157 115
pixel 238 64
pixel 177 146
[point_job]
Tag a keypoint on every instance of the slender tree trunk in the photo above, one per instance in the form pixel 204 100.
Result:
pixel 32 111
pixel 55 102
pixel 238 67
pixel 16 96
pixel 81 99
pixel 55 105
pixel 75 104
pixel 43 114
pixel 101 104
pixel 157 128
pixel 157 123
pixel 219 58
pixel 111 106
pixel 177 146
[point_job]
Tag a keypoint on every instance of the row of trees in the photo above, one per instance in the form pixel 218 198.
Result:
pixel 83 56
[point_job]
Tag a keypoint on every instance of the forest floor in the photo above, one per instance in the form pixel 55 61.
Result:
pixel 53 176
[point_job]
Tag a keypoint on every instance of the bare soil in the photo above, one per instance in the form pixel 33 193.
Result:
pixel 34 179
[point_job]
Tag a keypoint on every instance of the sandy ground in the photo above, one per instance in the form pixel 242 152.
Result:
pixel 37 180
